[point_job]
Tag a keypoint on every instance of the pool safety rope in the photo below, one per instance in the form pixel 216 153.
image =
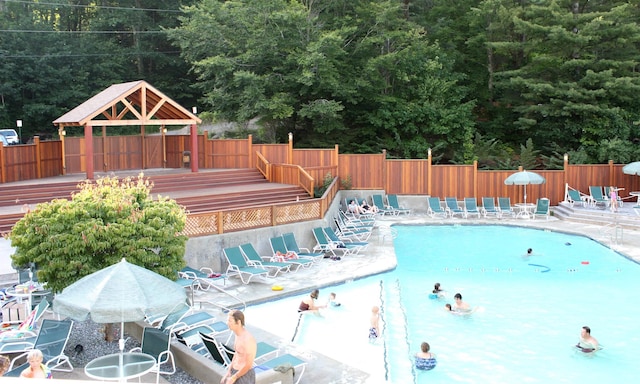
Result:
pixel 547 269
pixel 393 295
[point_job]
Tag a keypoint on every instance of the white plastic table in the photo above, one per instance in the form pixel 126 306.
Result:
pixel 120 366
pixel 525 210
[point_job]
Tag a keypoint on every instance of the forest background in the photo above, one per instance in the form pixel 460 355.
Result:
pixel 503 82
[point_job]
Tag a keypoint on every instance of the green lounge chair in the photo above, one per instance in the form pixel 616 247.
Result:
pixel 489 207
pixel 357 246
pixel 255 260
pixel 278 245
pixel 382 208
pixel 51 340
pixel 435 208
pixel 597 196
pixel 292 245
pixel 504 203
pixel 452 207
pixel 542 208
pixel 327 246
pixel 471 207
pixel 238 266
pixel 393 203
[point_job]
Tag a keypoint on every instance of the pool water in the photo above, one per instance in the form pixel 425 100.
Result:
pixel 529 310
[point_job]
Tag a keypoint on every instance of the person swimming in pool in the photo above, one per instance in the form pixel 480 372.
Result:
pixel 459 305
pixel 529 252
pixel 587 343
pixel 437 292
pixel 425 360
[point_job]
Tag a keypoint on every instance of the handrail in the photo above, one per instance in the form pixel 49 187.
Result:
pixel 263 165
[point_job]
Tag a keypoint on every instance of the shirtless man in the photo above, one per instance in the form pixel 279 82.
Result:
pixel 587 342
pixel 459 305
pixel 241 368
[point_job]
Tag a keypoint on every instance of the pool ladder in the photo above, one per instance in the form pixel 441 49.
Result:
pixel 402 370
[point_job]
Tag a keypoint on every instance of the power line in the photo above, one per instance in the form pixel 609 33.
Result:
pixel 85 55
pixel 79 32
pixel 95 6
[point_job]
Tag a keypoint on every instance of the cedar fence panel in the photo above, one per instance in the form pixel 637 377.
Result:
pixel 366 171
pixel 453 181
pixel 50 158
pixel 229 153
pixel 406 177
pixel 274 153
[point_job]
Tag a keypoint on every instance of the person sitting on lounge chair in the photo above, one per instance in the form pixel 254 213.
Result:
pixel 36 369
pixel 354 208
pixel 366 208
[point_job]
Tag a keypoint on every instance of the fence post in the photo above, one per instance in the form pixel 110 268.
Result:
pixel 205 152
pixel 250 151
pixel 475 179
pixel 384 170
pixel 36 141
pixel 3 168
pixel 194 147
pixel 565 167
pixel 290 149
pixel 429 159
pixel 612 180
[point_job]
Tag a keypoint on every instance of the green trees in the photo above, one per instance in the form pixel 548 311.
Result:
pixel 357 73
pixel 104 222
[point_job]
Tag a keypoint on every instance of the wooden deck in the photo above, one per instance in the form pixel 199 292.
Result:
pixel 208 191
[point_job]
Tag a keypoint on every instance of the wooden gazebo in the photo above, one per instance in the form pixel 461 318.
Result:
pixel 134 103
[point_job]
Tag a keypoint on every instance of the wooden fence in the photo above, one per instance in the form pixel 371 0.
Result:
pixel 366 171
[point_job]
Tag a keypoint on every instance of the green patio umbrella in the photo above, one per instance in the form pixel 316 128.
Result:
pixel 120 293
pixel 524 178
pixel 632 168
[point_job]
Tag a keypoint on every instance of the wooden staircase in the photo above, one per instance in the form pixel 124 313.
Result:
pixel 208 191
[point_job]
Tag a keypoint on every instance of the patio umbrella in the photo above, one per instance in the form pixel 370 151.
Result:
pixel 121 293
pixel 524 178
pixel 632 168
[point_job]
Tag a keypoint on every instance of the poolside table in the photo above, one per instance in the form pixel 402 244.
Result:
pixel 525 210
pixel 120 366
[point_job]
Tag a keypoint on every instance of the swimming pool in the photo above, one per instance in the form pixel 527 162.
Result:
pixel 527 322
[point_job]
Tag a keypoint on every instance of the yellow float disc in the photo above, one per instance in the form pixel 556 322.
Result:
pixel 277 288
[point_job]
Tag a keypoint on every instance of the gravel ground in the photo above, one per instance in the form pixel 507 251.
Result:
pixel 91 336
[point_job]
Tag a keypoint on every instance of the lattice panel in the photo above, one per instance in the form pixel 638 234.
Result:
pixel 246 219
pixel 200 225
pixel 297 212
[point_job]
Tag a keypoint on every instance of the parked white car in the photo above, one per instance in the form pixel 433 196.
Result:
pixel 10 135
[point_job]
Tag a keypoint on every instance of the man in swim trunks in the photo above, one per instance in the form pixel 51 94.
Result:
pixel 374 328
pixel 587 342
pixel 241 367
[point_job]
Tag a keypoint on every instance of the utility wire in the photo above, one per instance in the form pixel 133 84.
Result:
pixel 79 32
pixel 95 6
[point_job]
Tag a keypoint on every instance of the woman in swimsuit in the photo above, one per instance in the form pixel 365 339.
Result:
pixel 309 303
pixel 425 360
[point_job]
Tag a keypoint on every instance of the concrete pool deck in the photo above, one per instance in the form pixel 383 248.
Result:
pixel 378 258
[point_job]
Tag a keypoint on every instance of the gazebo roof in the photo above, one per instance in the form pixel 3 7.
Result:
pixel 134 103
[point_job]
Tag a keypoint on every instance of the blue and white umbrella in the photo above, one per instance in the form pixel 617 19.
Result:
pixel 632 168
pixel 524 178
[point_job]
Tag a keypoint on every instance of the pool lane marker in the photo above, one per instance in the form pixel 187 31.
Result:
pixel 541 266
